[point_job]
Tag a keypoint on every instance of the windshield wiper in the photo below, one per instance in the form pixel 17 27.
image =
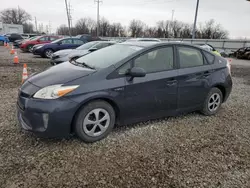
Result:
pixel 81 64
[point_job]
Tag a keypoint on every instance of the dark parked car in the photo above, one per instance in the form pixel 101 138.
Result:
pixel 242 53
pixel 13 36
pixel 48 49
pixel 122 84
pixel 19 42
pixel 88 38
pixel 69 54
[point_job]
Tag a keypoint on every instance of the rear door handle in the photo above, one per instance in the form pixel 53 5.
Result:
pixel 171 82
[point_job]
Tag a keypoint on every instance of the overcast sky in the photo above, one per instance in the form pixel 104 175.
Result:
pixel 233 15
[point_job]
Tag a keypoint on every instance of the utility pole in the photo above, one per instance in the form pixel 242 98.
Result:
pixel 98 17
pixel 68 16
pixel 172 19
pixel 36 25
pixel 195 19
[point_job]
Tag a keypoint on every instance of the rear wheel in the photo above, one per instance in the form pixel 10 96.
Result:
pixel 213 102
pixel 94 121
pixel 29 48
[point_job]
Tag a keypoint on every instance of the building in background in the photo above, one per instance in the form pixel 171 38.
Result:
pixel 10 28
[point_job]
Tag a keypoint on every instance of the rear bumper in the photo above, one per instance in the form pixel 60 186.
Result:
pixel 46 118
pixel 228 88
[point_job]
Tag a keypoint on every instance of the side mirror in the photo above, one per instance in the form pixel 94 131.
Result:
pixel 136 72
pixel 92 49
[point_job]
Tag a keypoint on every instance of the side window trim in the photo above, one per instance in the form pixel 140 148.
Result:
pixel 177 46
pixel 207 61
pixel 157 48
pixel 115 73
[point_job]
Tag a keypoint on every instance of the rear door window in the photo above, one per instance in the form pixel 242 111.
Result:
pixel 67 41
pixel 190 57
pixel 76 41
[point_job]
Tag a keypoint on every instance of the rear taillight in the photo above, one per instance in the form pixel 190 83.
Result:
pixel 229 65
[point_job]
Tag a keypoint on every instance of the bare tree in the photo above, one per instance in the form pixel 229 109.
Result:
pixel 211 30
pixel 104 27
pixel 136 28
pixel 85 26
pixel 176 28
pixel 186 31
pixel 150 32
pixel 163 29
pixel 14 16
pixel 63 30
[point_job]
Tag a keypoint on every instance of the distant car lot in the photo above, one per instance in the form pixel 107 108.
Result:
pixel 185 151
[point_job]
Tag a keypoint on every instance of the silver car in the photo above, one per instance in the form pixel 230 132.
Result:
pixel 69 54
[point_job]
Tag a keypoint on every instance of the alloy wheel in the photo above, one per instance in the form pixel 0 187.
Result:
pixel 96 122
pixel 214 102
pixel 48 53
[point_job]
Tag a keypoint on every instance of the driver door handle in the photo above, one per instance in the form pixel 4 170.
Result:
pixel 171 82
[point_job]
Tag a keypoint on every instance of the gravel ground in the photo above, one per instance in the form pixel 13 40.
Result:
pixel 185 151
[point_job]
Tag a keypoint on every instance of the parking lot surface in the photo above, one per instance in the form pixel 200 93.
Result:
pixel 185 151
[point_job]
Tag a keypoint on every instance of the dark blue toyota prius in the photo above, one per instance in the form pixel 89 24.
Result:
pixel 123 84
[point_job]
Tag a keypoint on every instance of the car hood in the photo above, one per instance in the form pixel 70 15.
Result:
pixel 63 52
pixel 60 74
pixel 78 53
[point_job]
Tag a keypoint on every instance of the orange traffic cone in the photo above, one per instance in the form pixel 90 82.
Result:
pixel 12 51
pixel 16 59
pixel 5 44
pixel 25 73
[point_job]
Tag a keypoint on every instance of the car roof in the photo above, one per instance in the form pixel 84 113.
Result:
pixel 144 44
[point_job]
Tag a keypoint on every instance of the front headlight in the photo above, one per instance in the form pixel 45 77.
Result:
pixel 54 91
pixel 38 47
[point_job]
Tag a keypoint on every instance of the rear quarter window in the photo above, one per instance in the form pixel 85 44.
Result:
pixel 209 57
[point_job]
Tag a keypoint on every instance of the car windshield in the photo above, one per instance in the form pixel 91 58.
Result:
pixel 33 38
pixel 108 56
pixel 87 45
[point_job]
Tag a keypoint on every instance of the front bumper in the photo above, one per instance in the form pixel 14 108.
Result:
pixel 46 118
pixel 37 51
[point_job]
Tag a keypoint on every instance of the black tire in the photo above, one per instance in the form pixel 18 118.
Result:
pixel 45 53
pixel 82 114
pixel 29 47
pixel 206 111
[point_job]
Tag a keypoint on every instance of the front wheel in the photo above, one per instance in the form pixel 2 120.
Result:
pixel 48 53
pixel 213 102
pixel 94 121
